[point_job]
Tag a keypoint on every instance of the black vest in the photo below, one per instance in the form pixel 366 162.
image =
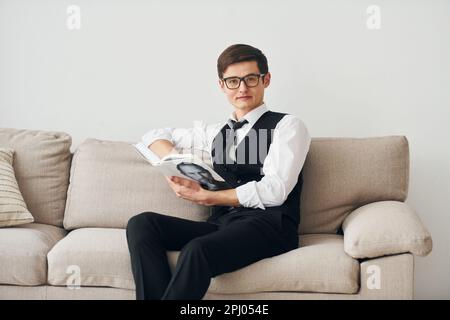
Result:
pixel 248 167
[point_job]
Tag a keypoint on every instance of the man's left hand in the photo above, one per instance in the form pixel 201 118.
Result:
pixel 190 190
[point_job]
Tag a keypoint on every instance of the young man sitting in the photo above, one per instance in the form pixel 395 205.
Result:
pixel 256 218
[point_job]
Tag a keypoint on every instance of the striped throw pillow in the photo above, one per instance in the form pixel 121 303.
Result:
pixel 13 210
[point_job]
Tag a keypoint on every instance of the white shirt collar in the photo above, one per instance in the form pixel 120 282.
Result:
pixel 253 115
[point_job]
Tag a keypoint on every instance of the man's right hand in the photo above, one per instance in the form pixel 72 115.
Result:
pixel 190 190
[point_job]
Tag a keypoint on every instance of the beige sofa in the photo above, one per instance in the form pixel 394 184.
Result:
pixel 77 249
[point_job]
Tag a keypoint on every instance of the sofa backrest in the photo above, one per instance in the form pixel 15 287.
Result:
pixel 110 182
pixel 342 174
pixel 41 165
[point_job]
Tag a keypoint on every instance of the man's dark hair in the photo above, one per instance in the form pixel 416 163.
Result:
pixel 239 53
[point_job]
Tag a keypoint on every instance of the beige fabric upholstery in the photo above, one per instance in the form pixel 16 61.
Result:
pixel 46 292
pixel 396 272
pixel 396 283
pixel 12 292
pixel 13 209
pixel 106 262
pixel 111 182
pixel 86 293
pixel 341 174
pixel 310 268
pixel 385 227
pixel 41 163
pixel 23 252
pixel 100 255
pixel 396 277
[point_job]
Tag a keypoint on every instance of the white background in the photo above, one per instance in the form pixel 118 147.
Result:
pixel 136 65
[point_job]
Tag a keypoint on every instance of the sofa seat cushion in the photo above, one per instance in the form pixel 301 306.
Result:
pixel 102 258
pixel 318 265
pixel 23 253
pixel 91 257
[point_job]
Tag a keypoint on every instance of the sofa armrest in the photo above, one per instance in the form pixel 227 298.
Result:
pixel 384 228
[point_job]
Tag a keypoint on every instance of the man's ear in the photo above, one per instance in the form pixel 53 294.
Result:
pixel 222 85
pixel 267 78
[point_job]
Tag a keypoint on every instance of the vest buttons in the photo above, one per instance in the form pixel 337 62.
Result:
pixel 239 181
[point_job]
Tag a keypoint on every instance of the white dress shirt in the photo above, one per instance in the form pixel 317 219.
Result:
pixel 281 167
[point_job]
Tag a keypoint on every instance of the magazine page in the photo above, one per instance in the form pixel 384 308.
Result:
pixel 196 170
pixel 146 153
pixel 186 166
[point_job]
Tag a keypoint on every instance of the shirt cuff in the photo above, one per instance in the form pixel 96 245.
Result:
pixel 248 196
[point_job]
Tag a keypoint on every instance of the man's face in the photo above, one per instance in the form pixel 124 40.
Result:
pixel 245 98
pixel 194 172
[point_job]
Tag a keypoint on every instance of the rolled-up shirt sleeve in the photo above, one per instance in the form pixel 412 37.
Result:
pixel 197 137
pixel 157 134
pixel 281 167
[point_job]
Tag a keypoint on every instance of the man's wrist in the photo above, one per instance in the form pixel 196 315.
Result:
pixel 223 197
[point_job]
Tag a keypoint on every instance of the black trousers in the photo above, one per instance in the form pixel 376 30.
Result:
pixel 207 250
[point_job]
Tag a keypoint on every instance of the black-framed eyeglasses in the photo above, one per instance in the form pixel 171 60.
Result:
pixel 250 80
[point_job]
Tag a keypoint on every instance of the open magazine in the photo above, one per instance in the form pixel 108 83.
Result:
pixel 187 166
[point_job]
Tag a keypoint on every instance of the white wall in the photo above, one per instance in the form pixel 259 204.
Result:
pixel 136 65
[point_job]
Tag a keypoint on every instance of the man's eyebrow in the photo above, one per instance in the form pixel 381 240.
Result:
pixel 242 76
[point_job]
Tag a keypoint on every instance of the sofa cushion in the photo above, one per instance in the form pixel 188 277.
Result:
pixel 42 166
pixel 342 174
pixel 320 265
pixel 23 253
pixel 110 182
pixel 398 230
pixel 13 209
pixel 99 256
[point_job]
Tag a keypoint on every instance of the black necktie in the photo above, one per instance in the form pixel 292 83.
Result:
pixel 237 124
pixel 231 139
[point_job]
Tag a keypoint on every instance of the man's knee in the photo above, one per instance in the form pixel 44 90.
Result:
pixel 141 219
pixel 138 226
